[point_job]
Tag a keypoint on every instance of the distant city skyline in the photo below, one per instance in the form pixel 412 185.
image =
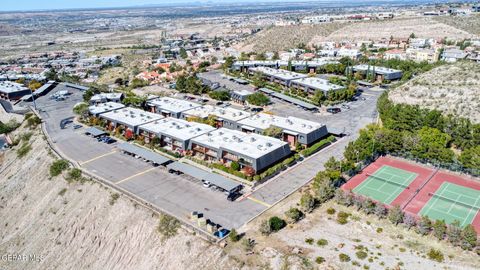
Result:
pixel 26 5
pixel 31 5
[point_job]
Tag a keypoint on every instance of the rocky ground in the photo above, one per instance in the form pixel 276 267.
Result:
pixel 78 225
pixel 470 24
pixel 387 246
pixel 452 89
pixel 74 226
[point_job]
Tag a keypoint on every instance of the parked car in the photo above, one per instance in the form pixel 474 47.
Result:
pixel 206 184
pixel 334 110
pixel 345 106
pixel 110 141
pixel 77 126
pixel 233 196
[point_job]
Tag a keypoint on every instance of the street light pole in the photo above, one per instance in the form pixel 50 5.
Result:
pixel 33 98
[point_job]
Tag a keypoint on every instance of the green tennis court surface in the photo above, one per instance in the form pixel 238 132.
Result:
pixel 453 202
pixel 385 184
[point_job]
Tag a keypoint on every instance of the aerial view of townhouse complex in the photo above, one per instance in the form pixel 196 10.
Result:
pixel 239 135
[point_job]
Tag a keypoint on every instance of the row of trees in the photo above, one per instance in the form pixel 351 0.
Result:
pixel 422 134
pixel 453 233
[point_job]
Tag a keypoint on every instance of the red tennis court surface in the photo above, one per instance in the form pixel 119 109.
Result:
pixel 428 181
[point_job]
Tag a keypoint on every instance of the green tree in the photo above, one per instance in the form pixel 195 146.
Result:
pixel 235 166
pixel 220 95
pixel 424 226
pixel 454 233
pixel 258 99
pixel 307 203
pixel 470 158
pixel 277 223
pixel 395 215
pixel 439 229
pixel 318 98
pixel 469 237
pixel 183 53
pixel 293 215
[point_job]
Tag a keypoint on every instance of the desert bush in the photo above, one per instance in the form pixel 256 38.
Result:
pixel 361 254
pixel 435 255
pixel 58 167
pixel 233 236
pixel 23 150
pixel 342 218
pixel 293 215
pixel 309 241
pixel 319 260
pixel 331 211
pixel 395 215
pixel 344 257
pixel 277 223
pixel 168 226
pixel 113 198
pixel 322 242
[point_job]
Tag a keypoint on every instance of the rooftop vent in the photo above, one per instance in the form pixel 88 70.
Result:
pixel 269 144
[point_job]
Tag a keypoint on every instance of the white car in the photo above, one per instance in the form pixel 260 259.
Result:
pixel 206 184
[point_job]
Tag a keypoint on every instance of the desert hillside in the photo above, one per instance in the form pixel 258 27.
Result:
pixel 72 226
pixel 452 89
pixel 267 40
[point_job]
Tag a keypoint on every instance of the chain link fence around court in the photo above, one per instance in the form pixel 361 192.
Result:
pixel 454 166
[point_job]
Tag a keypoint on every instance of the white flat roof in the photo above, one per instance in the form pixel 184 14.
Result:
pixel 249 145
pixel 107 96
pixel 131 116
pixel 227 113
pixel 318 83
pixel 264 121
pixel 378 69
pixel 177 128
pixel 173 104
pixel 105 107
pixel 279 73
pixel 11 87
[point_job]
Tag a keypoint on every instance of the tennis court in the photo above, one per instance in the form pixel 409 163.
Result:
pixel 385 184
pixel 453 202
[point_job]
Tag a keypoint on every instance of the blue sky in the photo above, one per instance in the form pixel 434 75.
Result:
pixel 9 5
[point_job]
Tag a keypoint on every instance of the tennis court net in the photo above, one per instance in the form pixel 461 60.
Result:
pixel 388 181
pixel 454 201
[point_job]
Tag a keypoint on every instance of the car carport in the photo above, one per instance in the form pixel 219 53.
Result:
pixel 144 153
pixel 289 99
pixel 95 132
pixel 215 179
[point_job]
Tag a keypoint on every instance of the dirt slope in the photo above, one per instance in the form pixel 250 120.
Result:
pixel 80 229
pixel 452 89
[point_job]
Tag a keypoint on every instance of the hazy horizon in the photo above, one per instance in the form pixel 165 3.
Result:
pixel 34 5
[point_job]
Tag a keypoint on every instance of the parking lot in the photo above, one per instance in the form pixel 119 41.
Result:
pixel 179 194
pixel 360 113
pixel 217 77
pixel 176 194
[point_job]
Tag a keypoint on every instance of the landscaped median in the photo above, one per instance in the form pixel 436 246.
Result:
pixel 318 146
